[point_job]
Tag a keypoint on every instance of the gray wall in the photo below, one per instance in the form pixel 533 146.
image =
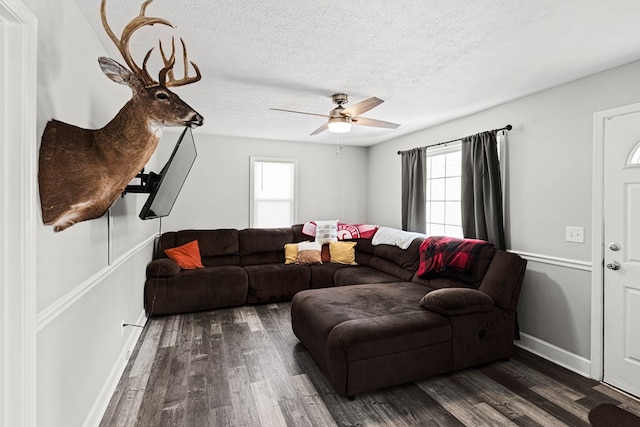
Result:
pixel 216 193
pixel 550 187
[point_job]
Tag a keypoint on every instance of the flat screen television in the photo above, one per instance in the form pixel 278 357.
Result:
pixel 167 185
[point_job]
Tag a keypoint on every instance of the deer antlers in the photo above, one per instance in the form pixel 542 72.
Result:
pixel 165 76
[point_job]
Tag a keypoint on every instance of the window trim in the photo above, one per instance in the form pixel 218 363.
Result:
pixel 260 159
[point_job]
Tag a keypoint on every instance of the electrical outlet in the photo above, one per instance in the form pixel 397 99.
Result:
pixel 574 234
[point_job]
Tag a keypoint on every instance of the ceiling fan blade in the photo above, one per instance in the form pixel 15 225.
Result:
pixel 363 121
pixel 362 107
pixel 299 112
pixel 320 129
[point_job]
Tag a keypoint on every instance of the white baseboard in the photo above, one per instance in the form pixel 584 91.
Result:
pixel 557 355
pixel 102 401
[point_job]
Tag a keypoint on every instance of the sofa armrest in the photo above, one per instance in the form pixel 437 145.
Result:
pixel 163 267
pixel 455 301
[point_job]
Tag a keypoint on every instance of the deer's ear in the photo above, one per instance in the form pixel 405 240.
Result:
pixel 118 72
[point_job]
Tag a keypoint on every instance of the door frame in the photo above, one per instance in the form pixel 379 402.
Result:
pixel 597 250
pixel 18 122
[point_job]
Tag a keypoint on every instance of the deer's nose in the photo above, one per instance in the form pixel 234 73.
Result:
pixel 198 120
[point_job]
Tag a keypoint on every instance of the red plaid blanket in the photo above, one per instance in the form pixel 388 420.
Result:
pixel 439 254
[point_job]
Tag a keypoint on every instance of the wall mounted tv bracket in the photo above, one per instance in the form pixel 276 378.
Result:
pixel 148 182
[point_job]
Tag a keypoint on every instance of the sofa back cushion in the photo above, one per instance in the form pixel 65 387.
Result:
pixel 447 278
pixel 263 245
pixel 389 259
pixel 504 279
pixel 298 235
pixel 217 247
pixel 408 259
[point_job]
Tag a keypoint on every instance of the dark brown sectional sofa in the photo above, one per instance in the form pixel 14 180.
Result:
pixel 368 326
pixel 247 267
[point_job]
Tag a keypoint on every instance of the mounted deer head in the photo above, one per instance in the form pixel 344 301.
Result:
pixel 82 172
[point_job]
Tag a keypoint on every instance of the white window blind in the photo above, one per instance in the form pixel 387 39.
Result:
pixel 273 191
pixel 443 190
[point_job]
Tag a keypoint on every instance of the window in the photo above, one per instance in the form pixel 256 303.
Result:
pixel 443 191
pixel 273 190
pixel 634 158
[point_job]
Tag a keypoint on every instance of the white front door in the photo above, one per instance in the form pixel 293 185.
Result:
pixel 622 252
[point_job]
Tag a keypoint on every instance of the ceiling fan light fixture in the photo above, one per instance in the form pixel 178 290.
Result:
pixel 340 124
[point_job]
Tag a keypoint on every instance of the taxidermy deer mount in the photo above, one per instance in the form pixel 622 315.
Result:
pixel 82 172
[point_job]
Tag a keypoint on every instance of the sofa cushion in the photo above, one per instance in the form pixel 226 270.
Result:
pixel 166 240
pixel 390 268
pixel 365 321
pixel 298 235
pixel 357 274
pixel 455 301
pixel 217 247
pixel 406 258
pixel 276 282
pixel 364 246
pixel 163 267
pixel 442 283
pixel 263 245
pixel 196 290
pixel 322 275
pixel 504 278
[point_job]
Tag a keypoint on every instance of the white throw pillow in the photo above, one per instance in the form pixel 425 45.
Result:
pixel 326 231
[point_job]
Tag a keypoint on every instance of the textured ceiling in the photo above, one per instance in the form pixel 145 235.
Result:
pixel 429 60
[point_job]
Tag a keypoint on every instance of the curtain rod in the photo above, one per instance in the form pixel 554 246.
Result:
pixel 507 128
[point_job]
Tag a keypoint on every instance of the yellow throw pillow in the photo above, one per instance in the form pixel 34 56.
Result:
pixel 343 252
pixel 290 253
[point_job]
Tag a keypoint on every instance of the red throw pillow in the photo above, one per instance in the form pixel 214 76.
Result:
pixel 186 256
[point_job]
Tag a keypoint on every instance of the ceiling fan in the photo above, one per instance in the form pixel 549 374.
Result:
pixel 341 118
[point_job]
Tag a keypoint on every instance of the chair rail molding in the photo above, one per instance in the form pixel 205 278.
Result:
pixel 554 260
pixel 18 214
pixel 50 313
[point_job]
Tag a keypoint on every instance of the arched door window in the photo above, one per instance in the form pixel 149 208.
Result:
pixel 634 158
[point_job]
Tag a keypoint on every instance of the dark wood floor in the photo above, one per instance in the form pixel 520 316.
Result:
pixel 244 367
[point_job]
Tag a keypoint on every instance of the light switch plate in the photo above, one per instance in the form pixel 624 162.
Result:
pixel 574 234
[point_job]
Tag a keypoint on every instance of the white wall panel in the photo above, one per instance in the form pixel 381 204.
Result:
pixel 79 348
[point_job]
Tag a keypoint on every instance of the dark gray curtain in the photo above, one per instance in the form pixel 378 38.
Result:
pixel 414 203
pixel 482 216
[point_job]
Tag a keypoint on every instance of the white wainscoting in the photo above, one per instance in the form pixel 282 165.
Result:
pixel 95 307
pixel 50 313
pixel 102 401
pixel 542 348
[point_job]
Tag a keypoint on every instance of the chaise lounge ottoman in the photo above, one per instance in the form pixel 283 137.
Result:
pixel 370 336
